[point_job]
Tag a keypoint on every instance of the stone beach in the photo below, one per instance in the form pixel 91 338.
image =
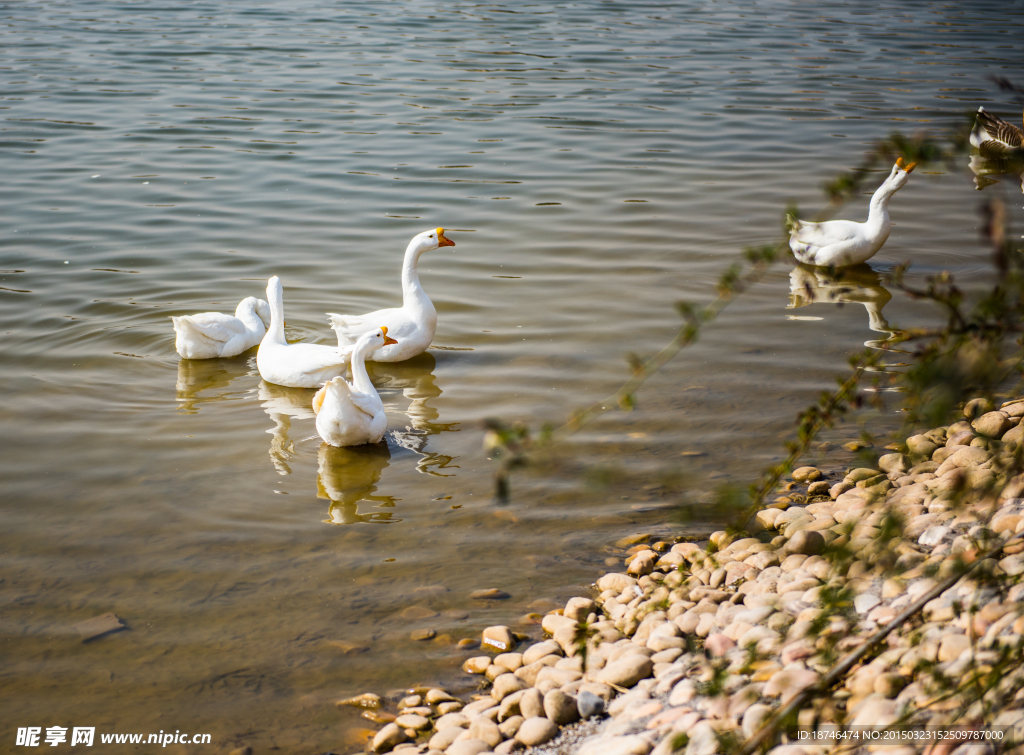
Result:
pixel 693 646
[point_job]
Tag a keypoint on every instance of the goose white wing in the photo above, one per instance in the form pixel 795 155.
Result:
pixel 365 403
pixel 213 325
pixel 824 234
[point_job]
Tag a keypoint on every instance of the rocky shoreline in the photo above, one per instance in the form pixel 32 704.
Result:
pixel 693 647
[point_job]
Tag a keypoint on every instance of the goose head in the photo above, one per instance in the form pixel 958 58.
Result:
pixel 900 171
pixel 432 239
pixel 373 340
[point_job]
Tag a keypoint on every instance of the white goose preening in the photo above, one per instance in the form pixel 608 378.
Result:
pixel 351 414
pixel 413 324
pixel 209 335
pixel 297 365
pixel 993 134
pixel 838 243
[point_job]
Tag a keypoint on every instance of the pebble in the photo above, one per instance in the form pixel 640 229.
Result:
pixel 499 637
pixel 807 474
pixel 589 705
pixel 468 747
pixel 386 739
pixel 489 594
pixel 560 707
pixel 536 731
pixel 627 671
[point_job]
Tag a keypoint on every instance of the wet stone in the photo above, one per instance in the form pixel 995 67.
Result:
pixel 491 593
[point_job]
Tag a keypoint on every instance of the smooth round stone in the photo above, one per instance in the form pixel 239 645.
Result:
pixel 536 731
pixel 423 634
pixel 366 700
pixel 499 637
pixel 579 608
pixel 486 730
pixel 531 704
pixel 444 738
pixel 977 407
pixel 921 445
pixel 413 613
pixel 628 670
pixel 806 542
pixel 560 707
pixel 589 705
pixel 450 720
pixel 511 725
pixel 491 593
pixel 437 695
pixel 445 708
pixel 477 664
pixel 861 473
pixel 718 644
pixel 388 737
pixel 468 747
pixel 821 487
pixel 412 721
pixel 807 474
pixel 505 685
pixel 754 718
pixel 992 425
pixel 536 652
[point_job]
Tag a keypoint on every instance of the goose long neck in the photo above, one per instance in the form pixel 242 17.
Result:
pixel 412 292
pixel 275 298
pixel 878 210
pixel 246 312
pixel 360 378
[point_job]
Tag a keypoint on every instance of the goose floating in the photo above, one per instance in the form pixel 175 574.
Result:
pixel 296 365
pixel 839 243
pixel 351 414
pixel 992 134
pixel 413 324
pixel 209 335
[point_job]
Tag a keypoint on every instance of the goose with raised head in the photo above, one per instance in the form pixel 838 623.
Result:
pixel 297 365
pixel 839 243
pixel 994 135
pixel 209 335
pixel 351 414
pixel 414 323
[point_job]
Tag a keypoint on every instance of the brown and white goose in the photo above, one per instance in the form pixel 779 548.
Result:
pixel 993 134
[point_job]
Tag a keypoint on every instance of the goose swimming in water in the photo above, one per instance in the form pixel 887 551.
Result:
pixel 838 243
pixel 413 324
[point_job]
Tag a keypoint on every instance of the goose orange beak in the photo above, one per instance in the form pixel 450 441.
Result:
pixel 909 167
pixel 387 341
pixel 442 240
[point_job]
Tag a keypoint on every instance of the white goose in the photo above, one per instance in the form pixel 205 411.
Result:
pixel 838 243
pixel 993 134
pixel 209 335
pixel 297 365
pixel 414 323
pixel 351 414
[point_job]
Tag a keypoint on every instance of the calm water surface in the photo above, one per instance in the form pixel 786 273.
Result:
pixel 595 162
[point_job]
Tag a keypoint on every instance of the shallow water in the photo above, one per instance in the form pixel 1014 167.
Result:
pixel 594 162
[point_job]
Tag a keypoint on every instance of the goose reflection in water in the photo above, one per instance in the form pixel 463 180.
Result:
pixel 415 378
pixel 347 476
pixel 197 376
pixel 985 165
pixel 283 405
pixel 858 284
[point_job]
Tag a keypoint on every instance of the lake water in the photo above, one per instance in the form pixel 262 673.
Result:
pixel 595 162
